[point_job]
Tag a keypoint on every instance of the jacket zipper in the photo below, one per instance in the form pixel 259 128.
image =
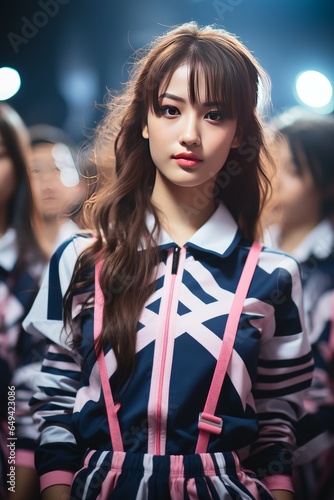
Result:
pixel 175 263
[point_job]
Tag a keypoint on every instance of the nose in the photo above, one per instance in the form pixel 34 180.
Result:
pixel 190 133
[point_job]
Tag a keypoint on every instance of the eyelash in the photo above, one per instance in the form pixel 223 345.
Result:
pixel 167 107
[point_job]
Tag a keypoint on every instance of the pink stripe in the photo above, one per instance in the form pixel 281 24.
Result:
pixel 250 484
pixel 163 356
pixel 165 338
pixel 117 460
pixel 176 477
pixel 278 482
pixel 228 340
pixel 191 489
pixel 56 477
pixel 157 365
pixel 114 428
pixel 111 479
pixel 25 458
pixel 208 465
pixel 168 353
pixel 88 457
pixel 86 463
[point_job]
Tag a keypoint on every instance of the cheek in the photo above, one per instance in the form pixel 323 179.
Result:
pixel 294 194
pixel 9 183
pixel 157 142
pixel 219 142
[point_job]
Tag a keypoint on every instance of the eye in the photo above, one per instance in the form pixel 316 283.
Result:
pixel 169 110
pixel 214 116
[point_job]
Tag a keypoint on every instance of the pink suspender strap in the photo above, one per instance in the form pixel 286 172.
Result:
pixel 208 422
pixel 115 432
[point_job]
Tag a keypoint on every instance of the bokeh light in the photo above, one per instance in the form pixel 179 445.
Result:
pixel 10 82
pixel 314 89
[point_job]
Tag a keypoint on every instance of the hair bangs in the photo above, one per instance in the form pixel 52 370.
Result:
pixel 159 76
pixel 219 88
pixel 223 75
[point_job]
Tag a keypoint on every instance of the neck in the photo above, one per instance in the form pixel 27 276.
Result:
pixel 183 210
pixel 46 233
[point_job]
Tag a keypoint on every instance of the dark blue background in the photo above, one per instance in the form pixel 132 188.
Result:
pixel 85 48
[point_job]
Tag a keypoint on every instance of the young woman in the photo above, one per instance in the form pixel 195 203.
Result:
pixel 126 415
pixel 303 213
pixel 21 266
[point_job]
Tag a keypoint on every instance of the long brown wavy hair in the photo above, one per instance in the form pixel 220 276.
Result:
pixel 126 172
pixel 19 212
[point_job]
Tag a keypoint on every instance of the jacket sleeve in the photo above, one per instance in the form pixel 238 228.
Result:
pixel 284 375
pixel 57 456
pixel 26 429
pixel 315 431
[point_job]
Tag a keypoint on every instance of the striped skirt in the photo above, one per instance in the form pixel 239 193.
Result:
pixel 134 476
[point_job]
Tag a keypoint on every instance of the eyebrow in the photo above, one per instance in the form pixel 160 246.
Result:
pixel 172 96
pixel 180 99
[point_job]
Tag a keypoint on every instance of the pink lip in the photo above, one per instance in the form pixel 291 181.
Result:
pixel 187 159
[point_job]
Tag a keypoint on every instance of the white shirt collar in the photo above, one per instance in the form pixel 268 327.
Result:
pixel 8 250
pixel 219 235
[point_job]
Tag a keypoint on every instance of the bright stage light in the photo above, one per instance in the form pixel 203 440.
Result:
pixel 314 89
pixel 10 82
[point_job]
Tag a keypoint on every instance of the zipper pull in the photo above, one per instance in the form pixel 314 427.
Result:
pixel 175 263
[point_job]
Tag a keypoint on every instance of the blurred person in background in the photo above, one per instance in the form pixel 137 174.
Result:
pixel 59 190
pixel 22 262
pixel 41 196
pixel 301 223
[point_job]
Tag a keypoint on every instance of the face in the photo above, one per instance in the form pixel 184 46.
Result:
pixel 7 175
pixel 188 143
pixel 296 200
pixel 53 198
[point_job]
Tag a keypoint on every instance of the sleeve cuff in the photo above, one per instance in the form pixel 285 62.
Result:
pixel 25 458
pixel 279 482
pixel 56 477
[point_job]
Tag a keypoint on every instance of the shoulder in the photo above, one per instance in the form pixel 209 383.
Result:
pixel 62 262
pixel 46 315
pixel 70 249
pixel 272 259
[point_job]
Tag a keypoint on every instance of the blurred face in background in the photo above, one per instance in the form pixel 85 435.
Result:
pixel 296 200
pixel 7 176
pixel 55 182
